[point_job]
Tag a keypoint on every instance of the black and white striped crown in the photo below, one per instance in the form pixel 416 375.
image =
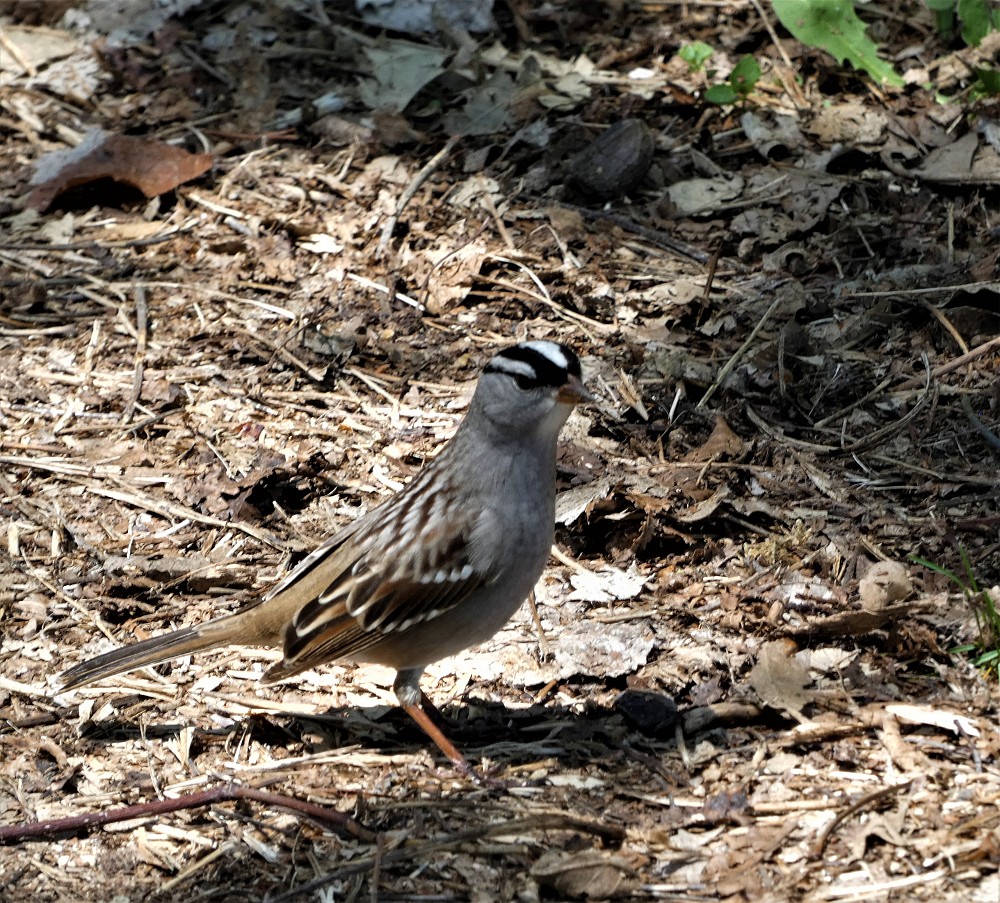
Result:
pixel 537 364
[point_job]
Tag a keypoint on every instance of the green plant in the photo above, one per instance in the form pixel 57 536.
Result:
pixel 984 609
pixel 833 26
pixel 977 19
pixel 987 84
pixel 695 54
pixel 745 74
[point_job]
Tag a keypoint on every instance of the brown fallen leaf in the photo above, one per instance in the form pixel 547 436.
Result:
pixel 152 167
pixel 705 508
pixel 722 444
pixel 780 679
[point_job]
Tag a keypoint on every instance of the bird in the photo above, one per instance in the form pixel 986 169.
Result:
pixel 439 566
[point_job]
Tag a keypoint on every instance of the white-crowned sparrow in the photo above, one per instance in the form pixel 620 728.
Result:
pixel 440 566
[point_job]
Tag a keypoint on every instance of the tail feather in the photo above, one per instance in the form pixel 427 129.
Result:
pixel 158 649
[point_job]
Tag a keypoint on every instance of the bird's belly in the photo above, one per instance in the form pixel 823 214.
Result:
pixel 468 624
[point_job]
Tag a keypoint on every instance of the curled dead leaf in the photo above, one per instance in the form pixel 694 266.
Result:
pixel 885 583
pixel 649 712
pixel 590 875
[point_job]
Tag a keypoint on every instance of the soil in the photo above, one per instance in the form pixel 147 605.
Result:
pixel 759 664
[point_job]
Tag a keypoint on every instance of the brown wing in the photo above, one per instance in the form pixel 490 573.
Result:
pixel 371 583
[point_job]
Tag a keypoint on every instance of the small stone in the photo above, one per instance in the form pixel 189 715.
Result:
pixel 649 712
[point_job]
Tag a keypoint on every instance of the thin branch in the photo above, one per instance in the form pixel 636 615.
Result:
pixel 865 802
pixel 222 794
pixel 738 356
pixel 411 190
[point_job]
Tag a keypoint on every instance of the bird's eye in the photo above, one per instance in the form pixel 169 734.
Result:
pixel 525 382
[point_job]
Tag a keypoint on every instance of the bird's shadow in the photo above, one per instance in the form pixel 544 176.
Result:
pixel 478 727
pixel 507 736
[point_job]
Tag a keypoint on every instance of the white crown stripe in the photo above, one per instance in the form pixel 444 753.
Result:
pixel 551 351
pixel 513 367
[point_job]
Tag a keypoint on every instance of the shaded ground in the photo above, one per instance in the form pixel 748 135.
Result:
pixel 795 355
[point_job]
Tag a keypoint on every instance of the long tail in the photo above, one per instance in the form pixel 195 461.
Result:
pixel 220 632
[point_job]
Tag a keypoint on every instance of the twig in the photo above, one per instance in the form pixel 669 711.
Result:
pixel 863 803
pixel 222 794
pixel 738 356
pixel 675 246
pixel 377 867
pixel 486 199
pixel 142 331
pixel 773 35
pixel 76 473
pixel 22 564
pixel 902 293
pixel 543 296
pixel 953 365
pixel 945 322
pixel 870 441
pixel 411 190
pixel 317 376
pixel 712 266
pixel 988 435
pixel 18 57
pixel 196 867
pixel 365 282
pixel 843 412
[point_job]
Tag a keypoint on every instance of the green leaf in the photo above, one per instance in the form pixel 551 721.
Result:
pixel 833 26
pixel 695 54
pixel 988 81
pixel 745 75
pixel 721 94
pixel 976 21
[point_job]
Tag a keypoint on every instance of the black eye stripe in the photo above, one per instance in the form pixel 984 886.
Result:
pixel 544 371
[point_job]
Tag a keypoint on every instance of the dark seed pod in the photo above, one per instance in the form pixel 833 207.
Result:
pixel 614 162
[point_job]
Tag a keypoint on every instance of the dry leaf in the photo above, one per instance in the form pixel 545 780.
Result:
pixel 919 714
pixel 780 679
pixel 590 875
pixel 150 166
pixel 705 508
pixel 767 132
pixel 606 585
pixel 35 47
pixel 964 162
pixel 722 443
pixel 608 650
pixel 572 503
pixel 700 197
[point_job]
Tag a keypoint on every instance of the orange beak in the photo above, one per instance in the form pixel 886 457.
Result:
pixel 573 392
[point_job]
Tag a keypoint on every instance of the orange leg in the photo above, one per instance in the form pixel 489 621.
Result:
pixel 425 714
pixel 415 703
